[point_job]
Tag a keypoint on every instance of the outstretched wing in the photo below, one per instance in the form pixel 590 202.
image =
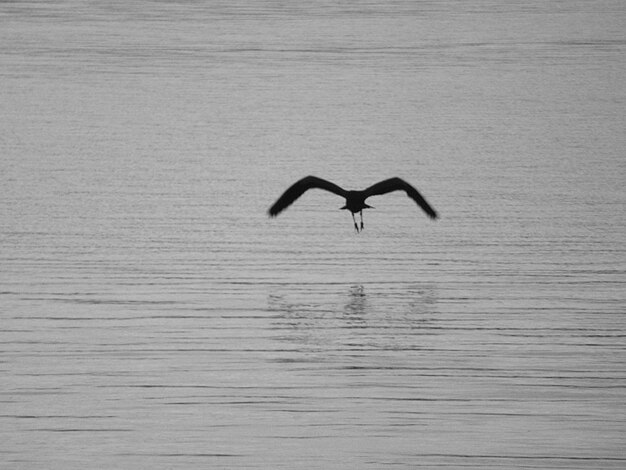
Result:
pixel 298 188
pixel 397 184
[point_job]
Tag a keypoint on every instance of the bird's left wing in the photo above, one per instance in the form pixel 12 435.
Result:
pixel 398 184
pixel 298 188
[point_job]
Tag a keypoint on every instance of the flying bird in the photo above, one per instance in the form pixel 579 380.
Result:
pixel 355 200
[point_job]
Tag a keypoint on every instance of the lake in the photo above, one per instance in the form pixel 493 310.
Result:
pixel 154 316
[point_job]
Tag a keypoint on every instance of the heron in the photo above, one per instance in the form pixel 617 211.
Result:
pixel 355 200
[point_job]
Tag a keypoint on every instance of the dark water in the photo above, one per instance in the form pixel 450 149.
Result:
pixel 154 317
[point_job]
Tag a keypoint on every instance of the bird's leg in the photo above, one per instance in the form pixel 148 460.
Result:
pixel 356 227
pixel 361 213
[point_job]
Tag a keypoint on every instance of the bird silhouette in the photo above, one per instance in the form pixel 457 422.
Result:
pixel 355 200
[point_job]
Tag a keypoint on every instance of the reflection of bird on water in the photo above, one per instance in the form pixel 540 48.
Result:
pixel 357 302
pixel 355 200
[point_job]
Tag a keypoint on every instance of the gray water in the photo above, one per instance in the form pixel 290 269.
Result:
pixel 154 317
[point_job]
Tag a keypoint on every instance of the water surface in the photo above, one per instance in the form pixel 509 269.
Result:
pixel 154 317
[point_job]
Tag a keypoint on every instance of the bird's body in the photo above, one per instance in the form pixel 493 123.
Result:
pixel 355 200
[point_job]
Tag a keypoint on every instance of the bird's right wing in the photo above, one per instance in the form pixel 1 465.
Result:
pixel 298 188
pixel 398 184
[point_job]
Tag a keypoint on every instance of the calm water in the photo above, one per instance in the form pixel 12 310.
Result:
pixel 154 317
